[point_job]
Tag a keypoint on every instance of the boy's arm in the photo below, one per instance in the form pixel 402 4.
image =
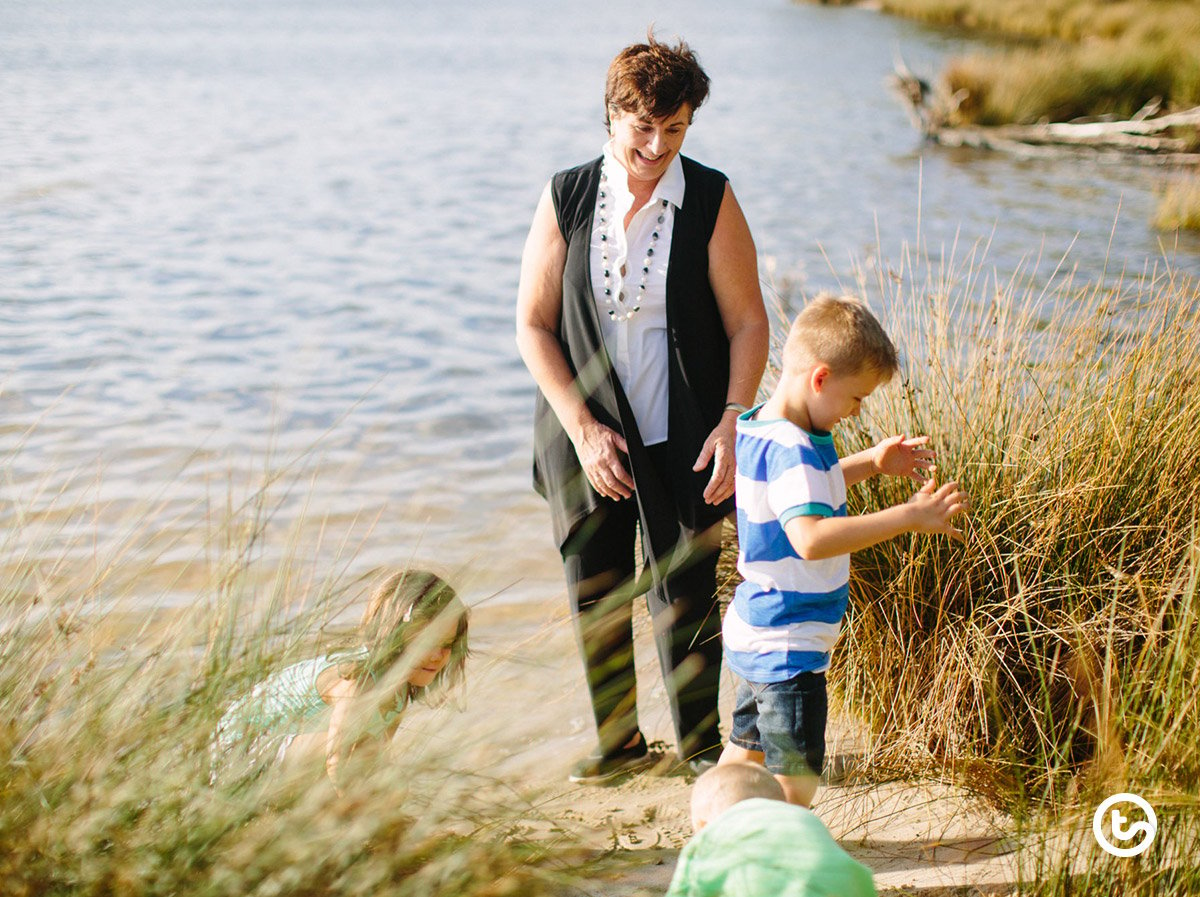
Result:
pixel 897 456
pixel 929 511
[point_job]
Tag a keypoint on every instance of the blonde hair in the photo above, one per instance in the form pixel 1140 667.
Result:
pixel 401 606
pixel 727 784
pixel 841 333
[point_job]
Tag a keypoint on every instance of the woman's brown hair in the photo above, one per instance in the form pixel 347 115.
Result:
pixel 653 80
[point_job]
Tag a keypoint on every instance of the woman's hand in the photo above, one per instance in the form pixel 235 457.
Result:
pixel 599 449
pixel 718 448
pixel 733 275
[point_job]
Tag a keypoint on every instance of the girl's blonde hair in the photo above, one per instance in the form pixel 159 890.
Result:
pixel 402 606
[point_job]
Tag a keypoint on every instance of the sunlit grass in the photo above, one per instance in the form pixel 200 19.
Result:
pixel 1067 58
pixel 1179 205
pixel 1061 82
pixel 1051 658
pixel 1074 21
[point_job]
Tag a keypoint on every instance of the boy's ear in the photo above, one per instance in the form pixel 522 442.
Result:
pixel 818 377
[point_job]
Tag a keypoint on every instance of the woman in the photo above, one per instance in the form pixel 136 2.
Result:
pixel 640 317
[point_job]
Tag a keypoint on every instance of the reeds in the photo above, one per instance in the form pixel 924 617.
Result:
pixel 1063 82
pixel 1051 658
pixel 1179 205
pixel 107 711
pixel 1067 58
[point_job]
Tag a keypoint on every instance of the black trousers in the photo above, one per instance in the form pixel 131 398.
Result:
pixel 602 582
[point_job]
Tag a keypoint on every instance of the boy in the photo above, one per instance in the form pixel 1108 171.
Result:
pixel 750 843
pixel 795 538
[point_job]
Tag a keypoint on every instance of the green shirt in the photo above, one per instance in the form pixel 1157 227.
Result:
pixel 768 848
pixel 257 728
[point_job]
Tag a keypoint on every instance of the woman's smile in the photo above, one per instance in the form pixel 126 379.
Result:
pixel 645 146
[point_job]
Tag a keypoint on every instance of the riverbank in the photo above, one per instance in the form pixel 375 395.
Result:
pixel 1066 60
pixel 1063 59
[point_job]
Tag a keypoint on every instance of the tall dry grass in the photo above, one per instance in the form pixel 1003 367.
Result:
pixel 1072 21
pixel 1054 655
pixel 106 711
pixel 1179 205
pixel 1062 82
pixel 1067 58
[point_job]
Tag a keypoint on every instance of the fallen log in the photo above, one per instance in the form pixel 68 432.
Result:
pixel 1150 136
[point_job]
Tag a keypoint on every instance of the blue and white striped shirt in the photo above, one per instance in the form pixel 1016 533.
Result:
pixel 787 614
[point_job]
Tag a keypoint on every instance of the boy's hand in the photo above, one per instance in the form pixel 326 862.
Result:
pixel 934 508
pixel 900 456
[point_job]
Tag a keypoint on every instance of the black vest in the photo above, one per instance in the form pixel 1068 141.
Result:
pixel 698 363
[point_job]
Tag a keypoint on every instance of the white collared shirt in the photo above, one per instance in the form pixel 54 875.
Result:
pixel 637 346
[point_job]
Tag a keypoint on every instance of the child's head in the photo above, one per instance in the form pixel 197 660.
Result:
pixel 727 784
pixel 836 353
pixel 415 617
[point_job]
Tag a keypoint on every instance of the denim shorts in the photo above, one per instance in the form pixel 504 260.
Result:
pixel 783 720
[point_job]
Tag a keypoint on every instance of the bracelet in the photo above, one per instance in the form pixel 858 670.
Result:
pixel 736 406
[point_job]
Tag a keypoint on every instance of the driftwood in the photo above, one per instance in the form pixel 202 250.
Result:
pixel 1146 133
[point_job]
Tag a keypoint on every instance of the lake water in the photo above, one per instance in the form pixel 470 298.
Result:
pixel 284 236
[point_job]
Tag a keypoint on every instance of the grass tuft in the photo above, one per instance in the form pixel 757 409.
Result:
pixel 1179 206
pixel 1050 659
pixel 1067 59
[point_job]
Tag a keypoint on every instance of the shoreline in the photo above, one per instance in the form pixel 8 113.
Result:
pixel 912 834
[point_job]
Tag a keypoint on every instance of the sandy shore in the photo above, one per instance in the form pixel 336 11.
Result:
pixel 527 719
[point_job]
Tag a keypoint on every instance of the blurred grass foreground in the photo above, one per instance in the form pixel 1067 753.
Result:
pixel 106 711
pixel 1053 658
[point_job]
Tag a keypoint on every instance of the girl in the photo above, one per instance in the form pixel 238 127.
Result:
pixel 412 641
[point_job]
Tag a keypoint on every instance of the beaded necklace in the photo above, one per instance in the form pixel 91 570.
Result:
pixel 618 310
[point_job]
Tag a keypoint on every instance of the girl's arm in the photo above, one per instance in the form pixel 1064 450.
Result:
pixel 341 694
pixel 733 274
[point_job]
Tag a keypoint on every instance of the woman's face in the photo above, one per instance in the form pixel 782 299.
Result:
pixel 646 146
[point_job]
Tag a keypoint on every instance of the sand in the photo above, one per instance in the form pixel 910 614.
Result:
pixel 526 719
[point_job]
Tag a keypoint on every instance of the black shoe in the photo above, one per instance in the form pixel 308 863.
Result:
pixel 597 768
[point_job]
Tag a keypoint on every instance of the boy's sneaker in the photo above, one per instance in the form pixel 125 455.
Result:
pixel 597 768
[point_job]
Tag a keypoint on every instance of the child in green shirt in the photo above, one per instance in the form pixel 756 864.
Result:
pixel 750 842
